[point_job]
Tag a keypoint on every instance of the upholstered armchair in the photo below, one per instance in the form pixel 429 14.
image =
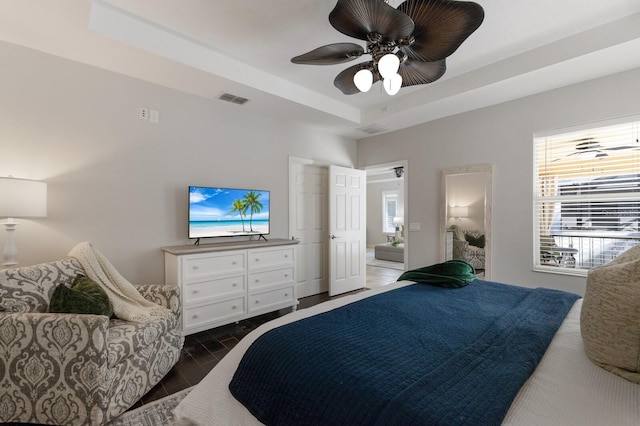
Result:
pixel 468 245
pixel 72 369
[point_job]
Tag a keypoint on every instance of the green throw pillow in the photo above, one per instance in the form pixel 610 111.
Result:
pixel 84 296
pixel 473 241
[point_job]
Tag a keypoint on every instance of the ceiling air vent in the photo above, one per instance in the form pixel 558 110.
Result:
pixel 373 129
pixel 228 97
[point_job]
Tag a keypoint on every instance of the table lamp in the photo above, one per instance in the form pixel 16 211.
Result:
pixel 19 198
pixel 459 212
pixel 398 222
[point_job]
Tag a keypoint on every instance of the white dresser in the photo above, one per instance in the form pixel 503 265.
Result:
pixel 227 282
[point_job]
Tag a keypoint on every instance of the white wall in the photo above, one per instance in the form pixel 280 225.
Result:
pixel 500 135
pixel 120 182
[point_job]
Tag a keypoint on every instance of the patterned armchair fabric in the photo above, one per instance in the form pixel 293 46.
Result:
pixel 68 369
pixel 465 251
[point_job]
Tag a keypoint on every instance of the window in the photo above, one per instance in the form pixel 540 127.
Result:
pixel 389 209
pixel 586 196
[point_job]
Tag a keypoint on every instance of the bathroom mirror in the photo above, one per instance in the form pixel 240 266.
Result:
pixel 465 216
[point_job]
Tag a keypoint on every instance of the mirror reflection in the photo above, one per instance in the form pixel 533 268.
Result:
pixel 466 216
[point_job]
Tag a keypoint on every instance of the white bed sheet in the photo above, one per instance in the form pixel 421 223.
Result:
pixel 566 388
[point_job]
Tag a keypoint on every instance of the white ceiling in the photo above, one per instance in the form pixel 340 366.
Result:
pixel 244 47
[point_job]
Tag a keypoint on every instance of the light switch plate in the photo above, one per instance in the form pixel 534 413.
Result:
pixel 414 227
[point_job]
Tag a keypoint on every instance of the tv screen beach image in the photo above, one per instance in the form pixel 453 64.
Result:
pixel 226 212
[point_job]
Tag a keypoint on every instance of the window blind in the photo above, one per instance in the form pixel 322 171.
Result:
pixel 586 196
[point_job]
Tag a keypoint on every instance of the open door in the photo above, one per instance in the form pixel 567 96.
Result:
pixel 347 229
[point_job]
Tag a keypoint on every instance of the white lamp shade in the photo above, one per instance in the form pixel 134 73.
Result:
pixel 22 198
pixel 459 211
pixel 388 65
pixel 363 80
pixel 397 220
pixel 392 85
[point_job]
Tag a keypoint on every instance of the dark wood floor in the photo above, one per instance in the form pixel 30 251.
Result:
pixel 202 351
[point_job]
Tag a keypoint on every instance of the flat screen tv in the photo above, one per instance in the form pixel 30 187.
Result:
pixel 227 212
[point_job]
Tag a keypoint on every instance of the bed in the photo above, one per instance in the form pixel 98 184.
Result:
pixel 565 388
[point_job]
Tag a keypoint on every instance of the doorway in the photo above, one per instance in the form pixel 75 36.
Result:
pixel 387 241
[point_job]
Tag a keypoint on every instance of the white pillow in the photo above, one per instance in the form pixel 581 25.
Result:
pixel 610 318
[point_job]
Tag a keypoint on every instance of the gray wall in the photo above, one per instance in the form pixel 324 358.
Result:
pixel 500 135
pixel 121 182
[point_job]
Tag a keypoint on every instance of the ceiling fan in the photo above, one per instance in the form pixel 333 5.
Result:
pixel 408 45
pixel 588 148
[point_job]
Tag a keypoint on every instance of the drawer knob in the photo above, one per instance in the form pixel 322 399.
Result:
pixel 286 294
pixel 234 285
pixel 195 291
pixel 234 262
pixel 234 307
pixel 257 280
pixel 195 267
pixel 195 316
pixel 257 301
pixel 286 255
pixel 257 259
pixel 286 275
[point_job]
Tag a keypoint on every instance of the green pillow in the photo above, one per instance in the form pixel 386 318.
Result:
pixel 473 241
pixel 84 296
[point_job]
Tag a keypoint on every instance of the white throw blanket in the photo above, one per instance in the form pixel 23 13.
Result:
pixel 128 303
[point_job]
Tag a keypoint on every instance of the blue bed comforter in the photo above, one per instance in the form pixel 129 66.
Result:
pixel 416 355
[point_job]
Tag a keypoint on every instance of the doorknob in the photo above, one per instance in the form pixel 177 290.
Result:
pixel 333 237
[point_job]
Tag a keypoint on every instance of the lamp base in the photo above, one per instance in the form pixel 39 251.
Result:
pixel 10 249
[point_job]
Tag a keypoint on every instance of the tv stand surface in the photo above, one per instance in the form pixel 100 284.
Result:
pixel 231 245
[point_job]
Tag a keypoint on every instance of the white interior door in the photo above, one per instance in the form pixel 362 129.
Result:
pixel 347 228
pixel 308 223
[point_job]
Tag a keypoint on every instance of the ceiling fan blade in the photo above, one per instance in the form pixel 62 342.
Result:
pixel 440 26
pixel 359 18
pixel 419 72
pixel 344 80
pixel 330 54
pixel 615 148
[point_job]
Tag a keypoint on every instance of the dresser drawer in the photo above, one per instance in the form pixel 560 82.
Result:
pixel 198 268
pixel 267 278
pixel 281 296
pixel 214 312
pixel 270 257
pixel 214 288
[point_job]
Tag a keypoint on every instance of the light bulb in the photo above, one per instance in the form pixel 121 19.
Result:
pixel 392 85
pixel 363 80
pixel 388 65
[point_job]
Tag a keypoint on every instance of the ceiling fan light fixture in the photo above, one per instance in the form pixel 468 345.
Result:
pixel 392 85
pixel 388 65
pixel 363 80
pixel 413 39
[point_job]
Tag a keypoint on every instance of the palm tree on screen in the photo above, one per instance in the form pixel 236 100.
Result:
pixel 240 207
pixel 253 204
